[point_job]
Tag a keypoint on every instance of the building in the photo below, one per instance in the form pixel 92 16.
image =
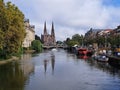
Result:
pixel 30 34
pixel 92 33
pixel 48 39
pixel 93 36
pixel 105 32
pixel 116 31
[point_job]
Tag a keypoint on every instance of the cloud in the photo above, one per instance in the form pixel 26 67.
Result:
pixel 69 16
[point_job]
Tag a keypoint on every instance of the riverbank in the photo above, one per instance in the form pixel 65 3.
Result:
pixel 13 58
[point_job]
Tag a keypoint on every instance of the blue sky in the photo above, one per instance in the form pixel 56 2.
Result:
pixel 70 16
pixel 115 3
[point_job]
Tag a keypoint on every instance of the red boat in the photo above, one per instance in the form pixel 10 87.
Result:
pixel 84 51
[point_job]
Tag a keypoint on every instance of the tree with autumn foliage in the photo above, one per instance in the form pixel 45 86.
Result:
pixel 12 31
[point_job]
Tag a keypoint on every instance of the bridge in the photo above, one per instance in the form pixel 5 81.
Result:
pixel 57 46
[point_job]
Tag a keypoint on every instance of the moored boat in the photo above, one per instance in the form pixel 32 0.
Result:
pixel 84 51
pixel 102 58
pixel 114 60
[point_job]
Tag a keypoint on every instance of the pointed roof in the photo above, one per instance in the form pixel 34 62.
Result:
pixel 45 29
pixel 52 30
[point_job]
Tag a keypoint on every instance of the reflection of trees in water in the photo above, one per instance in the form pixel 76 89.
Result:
pixel 11 77
pixel 104 66
pixel 14 75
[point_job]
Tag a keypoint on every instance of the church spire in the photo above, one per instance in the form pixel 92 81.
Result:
pixel 52 30
pixel 45 29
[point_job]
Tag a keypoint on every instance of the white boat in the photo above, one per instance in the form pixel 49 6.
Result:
pixel 102 58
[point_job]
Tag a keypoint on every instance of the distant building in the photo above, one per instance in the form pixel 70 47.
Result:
pixel 116 31
pixel 105 32
pixel 30 34
pixel 92 33
pixel 48 39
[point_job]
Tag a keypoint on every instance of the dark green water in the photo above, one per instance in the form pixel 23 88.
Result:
pixel 58 70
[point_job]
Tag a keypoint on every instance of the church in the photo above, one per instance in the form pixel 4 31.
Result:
pixel 48 39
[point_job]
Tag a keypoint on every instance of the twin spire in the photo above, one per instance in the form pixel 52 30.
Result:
pixel 47 39
pixel 52 29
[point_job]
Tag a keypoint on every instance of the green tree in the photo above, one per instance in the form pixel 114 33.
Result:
pixel 114 40
pixel 71 43
pixel 2 39
pixel 100 40
pixel 11 29
pixel 78 38
pixel 15 34
pixel 36 45
pixel 2 23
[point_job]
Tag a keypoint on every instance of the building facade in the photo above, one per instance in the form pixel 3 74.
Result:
pixel 92 33
pixel 30 34
pixel 48 39
pixel 116 31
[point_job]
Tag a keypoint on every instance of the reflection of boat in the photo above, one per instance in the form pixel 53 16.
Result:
pixel 84 51
pixel 83 57
pixel 101 58
pixel 114 60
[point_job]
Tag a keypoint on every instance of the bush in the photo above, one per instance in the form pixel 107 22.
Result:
pixel 36 45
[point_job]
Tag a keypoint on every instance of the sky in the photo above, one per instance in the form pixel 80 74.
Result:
pixel 70 16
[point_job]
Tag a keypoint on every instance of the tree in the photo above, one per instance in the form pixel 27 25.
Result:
pixel 37 38
pixel 11 29
pixel 114 40
pixel 72 43
pixel 78 38
pixel 2 23
pixel 36 45
pixel 15 32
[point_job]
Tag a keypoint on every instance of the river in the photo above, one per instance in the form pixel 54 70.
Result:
pixel 58 70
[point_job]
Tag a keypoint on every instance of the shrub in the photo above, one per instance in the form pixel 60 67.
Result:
pixel 36 45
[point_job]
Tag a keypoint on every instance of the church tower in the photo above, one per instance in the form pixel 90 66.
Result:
pixel 52 30
pixel 45 29
pixel 48 39
pixel 53 34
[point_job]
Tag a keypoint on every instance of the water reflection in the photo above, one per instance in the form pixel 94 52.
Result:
pixel 11 77
pixel 83 57
pixel 26 64
pixel 104 66
pixel 14 75
pixel 45 65
pixel 53 63
pixel 58 70
pixel 46 62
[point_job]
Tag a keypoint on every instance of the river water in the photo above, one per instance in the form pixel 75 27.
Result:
pixel 58 70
